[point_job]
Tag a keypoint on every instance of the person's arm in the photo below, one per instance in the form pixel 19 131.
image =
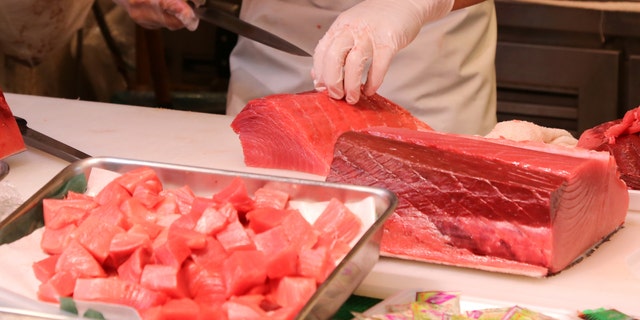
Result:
pixel 364 38
pixel 154 14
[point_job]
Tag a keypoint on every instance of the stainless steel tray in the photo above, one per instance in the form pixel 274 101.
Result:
pixel 346 277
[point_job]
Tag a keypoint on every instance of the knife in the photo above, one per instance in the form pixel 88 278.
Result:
pixel 220 18
pixel 47 144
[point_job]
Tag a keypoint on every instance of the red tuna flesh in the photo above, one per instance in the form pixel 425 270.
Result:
pixel 298 131
pixel 620 138
pixel 486 203
pixel 11 141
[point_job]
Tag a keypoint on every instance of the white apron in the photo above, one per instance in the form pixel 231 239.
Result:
pixel 446 76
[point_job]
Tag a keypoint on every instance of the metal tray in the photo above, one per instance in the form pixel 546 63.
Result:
pixel 346 277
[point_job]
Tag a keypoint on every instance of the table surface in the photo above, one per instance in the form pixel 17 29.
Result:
pixel 609 278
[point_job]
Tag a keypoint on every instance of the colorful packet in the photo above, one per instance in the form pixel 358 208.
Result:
pixel 445 301
pixel 443 305
pixel 511 313
pixel 604 314
pixel 425 311
pixel 386 316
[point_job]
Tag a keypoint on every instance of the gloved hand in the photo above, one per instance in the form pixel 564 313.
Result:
pixel 368 35
pixel 154 14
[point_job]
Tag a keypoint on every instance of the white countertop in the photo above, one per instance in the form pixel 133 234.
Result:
pixel 172 136
pixel 610 277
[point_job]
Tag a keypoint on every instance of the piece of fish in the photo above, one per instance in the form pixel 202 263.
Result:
pixel 298 131
pixel 11 141
pixel 492 204
pixel 620 138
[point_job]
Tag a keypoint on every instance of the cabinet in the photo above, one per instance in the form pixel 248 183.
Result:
pixel 566 67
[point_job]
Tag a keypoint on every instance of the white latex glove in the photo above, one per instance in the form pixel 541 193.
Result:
pixel 368 35
pixel 154 14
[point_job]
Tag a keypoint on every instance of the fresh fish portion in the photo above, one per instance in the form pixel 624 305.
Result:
pixel 11 141
pixel 620 138
pixel 492 204
pixel 298 131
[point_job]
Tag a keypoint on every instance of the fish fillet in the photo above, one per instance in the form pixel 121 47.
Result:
pixel 492 204
pixel 620 138
pixel 11 141
pixel 298 131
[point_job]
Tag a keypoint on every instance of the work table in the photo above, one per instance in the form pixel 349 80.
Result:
pixel 610 277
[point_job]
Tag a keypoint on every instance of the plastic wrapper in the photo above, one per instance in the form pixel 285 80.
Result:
pixel 444 305
pixel 32 29
pixel 10 199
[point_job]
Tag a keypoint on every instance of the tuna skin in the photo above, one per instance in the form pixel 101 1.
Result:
pixel 487 204
pixel 298 131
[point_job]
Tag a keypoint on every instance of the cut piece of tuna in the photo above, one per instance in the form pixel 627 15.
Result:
pixel 11 141
pixel 620 138
pixel 298 131
pixel 492 204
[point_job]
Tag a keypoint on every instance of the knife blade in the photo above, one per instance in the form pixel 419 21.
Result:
pixel 47 144
pixel 230 22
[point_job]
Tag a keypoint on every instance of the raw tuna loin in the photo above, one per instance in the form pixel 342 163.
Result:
pixel 298 131
pixel 11 141
pixel 491 204
pixel 620 138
